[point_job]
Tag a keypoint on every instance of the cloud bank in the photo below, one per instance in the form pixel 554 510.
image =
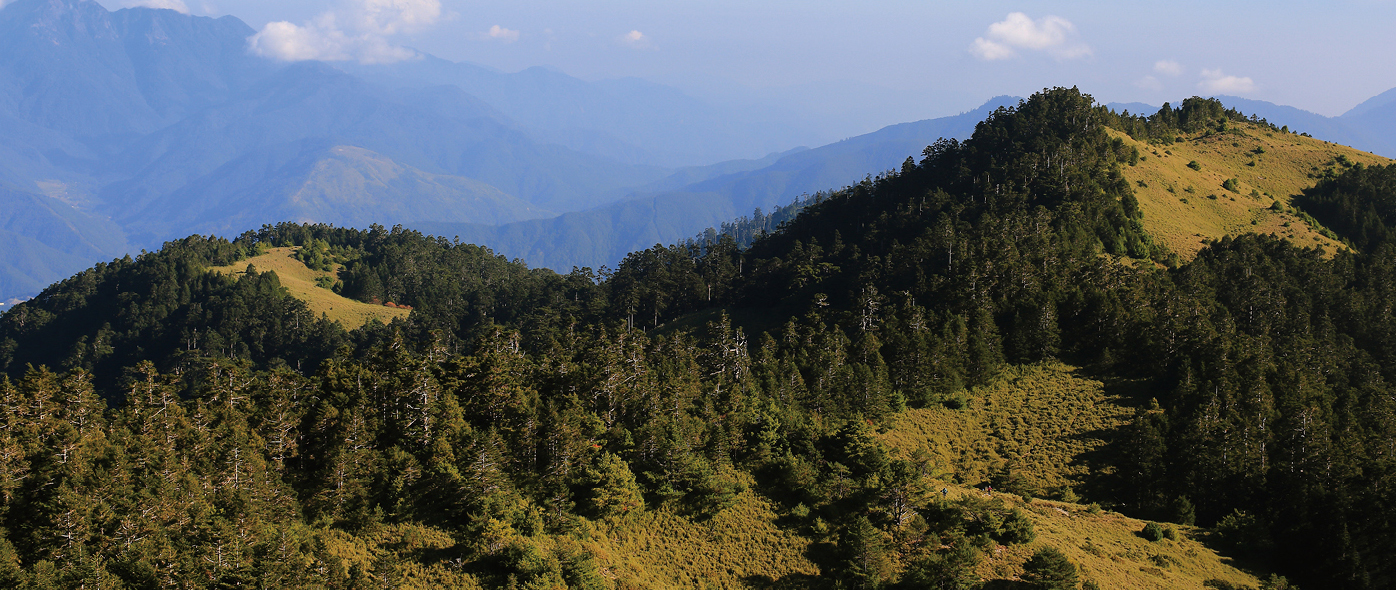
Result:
pixel 369 22
pixel 1216 82
pixel 1053 35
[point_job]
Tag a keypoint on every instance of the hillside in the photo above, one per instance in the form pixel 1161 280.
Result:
pixel 305 284
pixel 997 313
pixel 1185 208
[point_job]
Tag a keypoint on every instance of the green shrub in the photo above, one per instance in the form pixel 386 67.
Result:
pixel 956 401
pixel 1194 165
pixel 1153 532
pixel 1183 511
pixel 1277 582
pixel 1017 529
pixel 1231 184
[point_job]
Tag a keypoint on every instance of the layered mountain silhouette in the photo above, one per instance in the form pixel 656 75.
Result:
pixel 132 127
pixel 686 203
pixel 120 130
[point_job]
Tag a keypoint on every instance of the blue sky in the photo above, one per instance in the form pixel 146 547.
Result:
pixel 874 62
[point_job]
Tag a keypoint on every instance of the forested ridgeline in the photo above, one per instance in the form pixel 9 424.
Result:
pixel 486 438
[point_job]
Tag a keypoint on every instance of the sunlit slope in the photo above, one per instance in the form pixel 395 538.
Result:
pixel 660 549
pixel 1040 420
pixel 1107 550
pixel 1186 207
pixel 299 280
pixel 1050 423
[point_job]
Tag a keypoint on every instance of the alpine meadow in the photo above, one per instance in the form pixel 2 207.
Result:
pixel 1051 343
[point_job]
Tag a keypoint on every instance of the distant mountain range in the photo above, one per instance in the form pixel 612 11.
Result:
pixel 120 130
pixel 668 211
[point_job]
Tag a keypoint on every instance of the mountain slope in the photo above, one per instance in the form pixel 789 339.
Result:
pixel 897 335
pixel 45 240
pixel 1187 208
pixel 310 182
pixel 604 235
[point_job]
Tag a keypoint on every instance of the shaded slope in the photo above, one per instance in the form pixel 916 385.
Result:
pixel 314 101
pixel 310 182
pixel 44 240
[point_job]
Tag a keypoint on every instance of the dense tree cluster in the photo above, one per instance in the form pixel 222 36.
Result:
pixel 477 441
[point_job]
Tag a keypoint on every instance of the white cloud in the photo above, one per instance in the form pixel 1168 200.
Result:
pixel 1149 83
pixel 1168 67
pixel 637 40
pixel 175 5
pixel 390 17
pixel 1214 81
pixel 499 33
pixel 1052 34
pixel 370 21
pixel 989 50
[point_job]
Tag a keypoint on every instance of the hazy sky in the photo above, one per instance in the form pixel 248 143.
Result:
pixel 886 61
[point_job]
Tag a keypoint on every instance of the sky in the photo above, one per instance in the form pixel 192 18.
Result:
pixel 868 63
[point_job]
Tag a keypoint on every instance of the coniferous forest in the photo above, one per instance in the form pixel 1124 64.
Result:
pixel 162 425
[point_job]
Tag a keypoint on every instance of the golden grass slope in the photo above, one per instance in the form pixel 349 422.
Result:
pixel 660 549
pixel 299 281
pixel 1039 419
pixel 1106 550
pixel 1185 208
pixel 1044 419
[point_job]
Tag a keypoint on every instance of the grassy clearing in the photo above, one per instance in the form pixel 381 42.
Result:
pixel 1042 420
pixel 1186 207
pixel 300 281
pixel 1106 548
pixel 735 549
pixel 1047 420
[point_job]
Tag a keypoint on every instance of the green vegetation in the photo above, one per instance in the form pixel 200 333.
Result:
pixel 705 413
pixel 1359 204
pixel 317 287
pixel 1050 570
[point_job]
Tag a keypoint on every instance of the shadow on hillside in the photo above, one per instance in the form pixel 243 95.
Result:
pixel 1103 482
pixel 786 582
pixel 1005 585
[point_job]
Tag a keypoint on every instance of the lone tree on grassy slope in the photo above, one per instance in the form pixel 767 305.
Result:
pixel 1050 570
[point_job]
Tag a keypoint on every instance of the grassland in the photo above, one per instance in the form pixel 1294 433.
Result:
pixel 1106 549
pixel 1043 420
pixel 1047 418
pixel 1186 207
pixel 736 548
pixel 300 281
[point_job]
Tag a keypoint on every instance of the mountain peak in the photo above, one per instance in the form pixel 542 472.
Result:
pixel 1376 102
pixel 60 21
